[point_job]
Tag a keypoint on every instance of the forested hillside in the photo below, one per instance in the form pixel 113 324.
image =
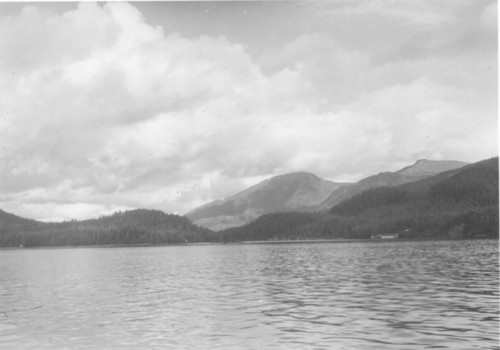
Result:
pixel 422 169
pixel 461 203
pixel 131 227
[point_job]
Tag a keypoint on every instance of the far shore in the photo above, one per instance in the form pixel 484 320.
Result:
pixel 298 241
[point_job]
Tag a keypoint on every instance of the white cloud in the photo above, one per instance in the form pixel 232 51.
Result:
pixel 489 17
pixel 407 12
pixel 101 111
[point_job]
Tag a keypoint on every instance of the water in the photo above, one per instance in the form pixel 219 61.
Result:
pixel 370 295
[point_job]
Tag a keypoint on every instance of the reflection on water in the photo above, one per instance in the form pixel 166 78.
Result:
pixel 380 295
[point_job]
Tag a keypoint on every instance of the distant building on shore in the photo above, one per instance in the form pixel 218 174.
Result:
pixel 386 236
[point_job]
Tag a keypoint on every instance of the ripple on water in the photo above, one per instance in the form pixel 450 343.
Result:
pixel 394 295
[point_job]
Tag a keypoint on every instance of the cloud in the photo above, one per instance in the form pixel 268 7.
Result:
pixel 139 116
pixel 48 39
pixel 409 13
pixel 321 64
pixel 489 17
pixel 102 111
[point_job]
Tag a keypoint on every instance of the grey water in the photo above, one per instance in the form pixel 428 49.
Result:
pixel 366 295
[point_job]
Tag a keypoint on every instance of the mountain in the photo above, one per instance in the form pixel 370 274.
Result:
pixel 422 169
pixel 8 219
pixel 303 192
pixel 299 191
pixel 459 203
pixel 139 226
pixel 13 222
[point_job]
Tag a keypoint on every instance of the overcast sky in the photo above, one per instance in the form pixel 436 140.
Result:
pixel 164 105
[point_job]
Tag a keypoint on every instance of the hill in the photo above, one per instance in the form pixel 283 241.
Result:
pixel 459 203
pixel 11 220
pixel 139 226
pixel 421 169
pixel 300 191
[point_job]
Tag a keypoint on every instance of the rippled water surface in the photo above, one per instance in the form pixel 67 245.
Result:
pixel 369 295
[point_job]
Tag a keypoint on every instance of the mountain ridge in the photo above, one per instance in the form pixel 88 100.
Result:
pixel 305 192
pixel 421 169
pixel 425 167
pixel 294 191
pixel 456 204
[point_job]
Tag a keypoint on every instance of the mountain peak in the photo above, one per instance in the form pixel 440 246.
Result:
pixel 299 177
pixel 426 167
pixel 295 175
pixel 302 191
pixel 421 169
pixel 298 191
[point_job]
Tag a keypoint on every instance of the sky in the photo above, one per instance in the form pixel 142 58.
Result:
pixel 169 105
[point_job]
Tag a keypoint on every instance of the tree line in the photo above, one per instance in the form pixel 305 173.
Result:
pixel 131 227
pixel 460 204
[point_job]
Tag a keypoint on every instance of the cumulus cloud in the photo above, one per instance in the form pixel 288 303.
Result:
pixel 102 111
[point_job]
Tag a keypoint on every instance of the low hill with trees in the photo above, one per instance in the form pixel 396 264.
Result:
pixel 139 226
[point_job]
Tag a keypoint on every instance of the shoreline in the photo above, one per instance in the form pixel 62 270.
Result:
pixel 301 241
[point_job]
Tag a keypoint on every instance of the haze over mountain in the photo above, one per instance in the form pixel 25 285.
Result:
pixel 303 192
pixel 299 191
